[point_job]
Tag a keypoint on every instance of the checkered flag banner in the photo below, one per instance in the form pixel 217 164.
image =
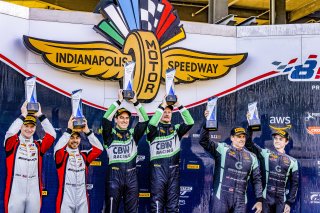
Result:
pixel 150 11
pixel 157 16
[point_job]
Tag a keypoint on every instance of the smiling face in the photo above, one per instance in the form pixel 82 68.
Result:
pixel 238 141
pixel 74 141
pixel 166 116
pixel 279 142
pixel 122 120
pixel 27 130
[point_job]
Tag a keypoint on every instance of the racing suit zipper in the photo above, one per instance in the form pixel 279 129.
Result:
pixel 111 202
pixel 236 189
pixel 28 166
pixel 157 202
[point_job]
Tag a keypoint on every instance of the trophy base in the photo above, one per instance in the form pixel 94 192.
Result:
pixel 212 125
pixel 128 94
pixel 171 99
pixel 32 108
pixel 78 123
pixel 254 125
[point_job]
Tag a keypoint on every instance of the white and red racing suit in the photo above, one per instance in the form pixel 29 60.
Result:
pixel 72 167
pixel 23 191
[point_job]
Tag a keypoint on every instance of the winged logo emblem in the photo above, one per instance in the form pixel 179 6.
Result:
pixel 133 35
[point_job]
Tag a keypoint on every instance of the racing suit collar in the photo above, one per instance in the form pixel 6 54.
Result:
pixel 236 149
pixel 24 140
pixel 72 150
pixel 120 129
pixel 165 124
pixel 276 151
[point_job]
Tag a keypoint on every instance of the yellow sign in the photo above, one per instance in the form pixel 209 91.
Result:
pixel 95 163
pixel 144 194
pixel 149 49
pixel 193 166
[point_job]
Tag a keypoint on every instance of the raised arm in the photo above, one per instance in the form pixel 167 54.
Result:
pixel 188 121
pixel 204 141
pixel 15 126
pixel 46 125
pixel 209 146
pixel 13 130
pixel 50 133
pixel 153 124
pixel 251 146
pixel 107 119
pixel 142 125
pixel 97 148
pixel 60 146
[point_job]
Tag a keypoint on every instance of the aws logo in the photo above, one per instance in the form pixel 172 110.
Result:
pixel 280 122
pixel 139 31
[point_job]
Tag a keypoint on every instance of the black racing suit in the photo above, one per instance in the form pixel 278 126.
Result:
pixel 164 141
pixel 233 168
pixel 277 169
pixel 121 146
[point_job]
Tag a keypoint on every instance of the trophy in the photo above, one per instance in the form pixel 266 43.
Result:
pixel 253 118
pixel 128 93
pixel 171 98
pixel 31 94
pixel 77 113
pixel 211 122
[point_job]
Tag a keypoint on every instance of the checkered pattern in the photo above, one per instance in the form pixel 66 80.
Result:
pixel 150 13
pixel 157 16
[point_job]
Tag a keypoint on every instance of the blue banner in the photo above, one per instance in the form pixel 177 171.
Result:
pixel 282 104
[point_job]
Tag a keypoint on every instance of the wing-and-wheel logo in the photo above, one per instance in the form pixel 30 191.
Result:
pixel 139 30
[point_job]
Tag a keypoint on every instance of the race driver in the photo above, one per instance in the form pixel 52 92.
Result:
pixel 121 143
pixel 23 191
pixel 164 140
pixel 278 169
pixel 72 168
pixel 234 165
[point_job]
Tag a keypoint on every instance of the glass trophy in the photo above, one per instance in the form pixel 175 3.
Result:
pixel 253 117
pixel 31 95
pixel 128 92
pixel 77 112
pixel 171 98
pixel 211 122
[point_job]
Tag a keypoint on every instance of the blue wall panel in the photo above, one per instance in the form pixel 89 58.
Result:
pixel 277 97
